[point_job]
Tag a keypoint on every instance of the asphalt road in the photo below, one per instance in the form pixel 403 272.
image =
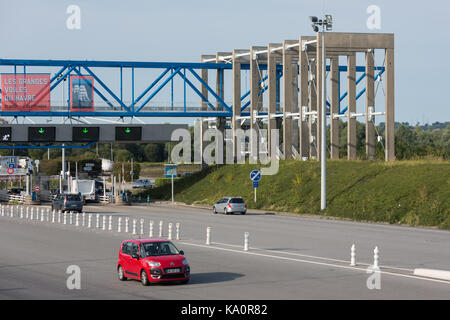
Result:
pixel 289 257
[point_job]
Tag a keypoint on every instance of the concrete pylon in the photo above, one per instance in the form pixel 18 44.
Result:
pixel 290 94
pixel 273 59
pixel 235 123
pixel 390 105
pixel 256 101
pixel 351 121
pixel 204 107
pixel 334 123
pixel 370 105
pixel 304 144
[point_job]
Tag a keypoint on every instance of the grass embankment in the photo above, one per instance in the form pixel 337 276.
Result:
pixel 416 193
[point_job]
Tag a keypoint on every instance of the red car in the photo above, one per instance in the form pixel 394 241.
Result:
pixel 151 261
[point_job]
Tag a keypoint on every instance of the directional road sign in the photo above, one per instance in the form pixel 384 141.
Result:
pixel 255 175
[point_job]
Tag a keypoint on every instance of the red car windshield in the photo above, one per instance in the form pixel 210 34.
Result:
pixel 151 249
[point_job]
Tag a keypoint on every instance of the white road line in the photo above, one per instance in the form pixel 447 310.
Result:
pixel 315 262
pixel 308 256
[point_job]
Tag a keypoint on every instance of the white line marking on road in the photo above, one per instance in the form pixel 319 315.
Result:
pixel 315 262
pixel 309 256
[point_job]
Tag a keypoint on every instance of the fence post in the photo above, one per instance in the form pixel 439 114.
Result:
pixel 208 236
pixel 170 232
pixel 246 234
pixel 177 226
pixel 353 256
pixel 150 234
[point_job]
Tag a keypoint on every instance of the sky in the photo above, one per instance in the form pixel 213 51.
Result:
pixel 179 30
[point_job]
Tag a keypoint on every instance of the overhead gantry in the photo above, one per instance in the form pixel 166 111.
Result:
pixel 293 92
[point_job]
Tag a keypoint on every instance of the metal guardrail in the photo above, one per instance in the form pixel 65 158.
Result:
pixel 105 199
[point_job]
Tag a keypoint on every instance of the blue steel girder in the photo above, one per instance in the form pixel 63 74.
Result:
pixel 69 66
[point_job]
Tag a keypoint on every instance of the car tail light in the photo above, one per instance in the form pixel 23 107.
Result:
pixel 245 205
pixel 229 205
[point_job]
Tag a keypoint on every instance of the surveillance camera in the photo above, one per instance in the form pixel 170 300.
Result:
pixel 313 19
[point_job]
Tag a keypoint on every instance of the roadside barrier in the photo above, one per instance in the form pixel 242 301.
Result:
pixel 353 256
pixel 208 236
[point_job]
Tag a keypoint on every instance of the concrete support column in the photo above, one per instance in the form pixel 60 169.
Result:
pixel 370 105
pixel 204 107
pixel 390 105
pixel 313 147
pixel 255 101
pixel 351 125
pixel 272 59
pixel 236 124
pixel 220 84
pixel 334 123
pixel 288 101
pixel 304 144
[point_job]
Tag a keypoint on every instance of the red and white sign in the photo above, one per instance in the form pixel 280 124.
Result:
pixel 37 188
pixel 25 92
pixel 10 170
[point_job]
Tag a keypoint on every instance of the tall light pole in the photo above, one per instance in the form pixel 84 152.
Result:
pixel 326 24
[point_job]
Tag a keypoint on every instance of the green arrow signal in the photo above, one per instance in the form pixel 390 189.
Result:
pixel 85 130
pixel 127 130
pixel 41 130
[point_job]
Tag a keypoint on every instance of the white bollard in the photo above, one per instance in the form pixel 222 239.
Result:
pixel 32 213
pixel 353 256
pixel 170 232
pixel 142 226
pixel 160 229
pixel 90 221
pixel 59 216
pixel 134 226
pixel 65 217
pixel 3 211
pixel 21 212
pixel 98 221
pixel 70 217
pixel 27 212
pixel 48 214
pixel 42 215
pixel 83 219
pixel 12 212
pixel 77 220
pixel 150 227
pixel 375 257
pixel 246 234
pixel 119 225
pixel 104 223
pixel 126 224
pixel 177 226
pixel 53 216
pixel 208 236
pixel 110 223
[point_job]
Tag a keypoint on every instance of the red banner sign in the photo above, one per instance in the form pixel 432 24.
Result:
pixel 25 92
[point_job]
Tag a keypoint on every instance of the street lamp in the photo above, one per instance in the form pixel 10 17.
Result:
pixel 326 24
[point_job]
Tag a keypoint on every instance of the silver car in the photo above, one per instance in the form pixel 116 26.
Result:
pixel 230 205
pixel 142 183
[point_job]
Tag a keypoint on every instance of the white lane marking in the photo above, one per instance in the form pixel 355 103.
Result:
pixel 308 256
pixel 315 262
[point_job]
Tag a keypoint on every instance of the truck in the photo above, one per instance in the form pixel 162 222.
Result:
pixel 89 189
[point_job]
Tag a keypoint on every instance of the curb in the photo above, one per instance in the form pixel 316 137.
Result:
pixel 431 273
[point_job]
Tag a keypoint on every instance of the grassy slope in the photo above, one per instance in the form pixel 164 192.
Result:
pixel 413 192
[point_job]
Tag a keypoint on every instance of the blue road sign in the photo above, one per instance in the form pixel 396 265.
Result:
pixel 255 184
pixel 170 172
pixel 255 175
